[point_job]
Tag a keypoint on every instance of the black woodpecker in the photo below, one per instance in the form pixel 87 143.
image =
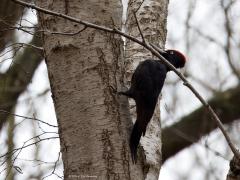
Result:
pixel 146 84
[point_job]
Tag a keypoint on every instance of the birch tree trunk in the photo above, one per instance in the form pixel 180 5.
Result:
pixel 151 15
pixel 94 123
pixel 234 171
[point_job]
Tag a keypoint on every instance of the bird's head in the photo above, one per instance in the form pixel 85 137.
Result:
pixel 176 58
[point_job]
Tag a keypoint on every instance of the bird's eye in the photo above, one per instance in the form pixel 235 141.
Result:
pixel 171 52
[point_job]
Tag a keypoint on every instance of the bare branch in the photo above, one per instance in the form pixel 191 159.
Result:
pixel 35 119
pixel 25 146
pixel 54 168
pixel 154 52
pixel 9 27
pixel 25 44
pixel 139 6
pixel 138 25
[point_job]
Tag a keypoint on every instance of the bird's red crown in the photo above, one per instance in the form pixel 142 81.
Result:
pixel 180 56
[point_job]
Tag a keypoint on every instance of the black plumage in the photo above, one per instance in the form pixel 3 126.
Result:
pixel 146 84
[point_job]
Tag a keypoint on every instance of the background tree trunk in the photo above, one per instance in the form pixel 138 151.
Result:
pixel 195 125
pixel 94 125
pixel 16 79
pixel 10 174
pixel 8 20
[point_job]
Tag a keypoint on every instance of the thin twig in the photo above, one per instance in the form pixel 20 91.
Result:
pixel 35 119
pixel 54 167
pixel 25 146
pixel 10 28
pixel 26 44
pixel 138 25
pixel 139 6
pixel 154 52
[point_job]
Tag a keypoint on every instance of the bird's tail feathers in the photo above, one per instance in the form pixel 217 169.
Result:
pixel 134 140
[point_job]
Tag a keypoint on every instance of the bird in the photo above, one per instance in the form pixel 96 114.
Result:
pixel 146 85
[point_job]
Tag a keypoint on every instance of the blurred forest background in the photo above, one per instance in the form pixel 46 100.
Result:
pixel 208 32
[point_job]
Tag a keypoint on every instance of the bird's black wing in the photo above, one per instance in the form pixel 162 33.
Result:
pixel 146 85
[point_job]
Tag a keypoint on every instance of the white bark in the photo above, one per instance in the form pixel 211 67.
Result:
pixel 152 15
pixel 234 171
pixel 94 123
